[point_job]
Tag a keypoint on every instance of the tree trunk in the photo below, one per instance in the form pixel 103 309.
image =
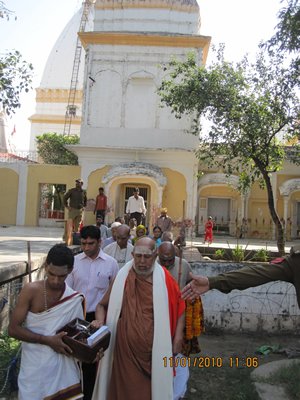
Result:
pixel 274 215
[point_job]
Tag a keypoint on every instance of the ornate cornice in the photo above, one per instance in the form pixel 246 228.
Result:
pixel 56 95
pixel 145 39
pixel 136 168
pixel 290 186
pixel 52 119
pixel 218 179
pixel 176 5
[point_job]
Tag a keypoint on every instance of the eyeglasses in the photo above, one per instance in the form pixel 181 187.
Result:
pixel 164 260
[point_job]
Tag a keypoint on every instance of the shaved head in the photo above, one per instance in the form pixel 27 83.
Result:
pixel 146 242
pixel 144 254
pixel 166 254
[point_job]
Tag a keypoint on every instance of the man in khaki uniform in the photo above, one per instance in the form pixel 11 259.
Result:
pixel 75 201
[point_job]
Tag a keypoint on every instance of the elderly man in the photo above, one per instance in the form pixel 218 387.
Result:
pixel 43 307
pixel 113 237
pixel 136 206
pixel 167 258
pixel 121 249
pixel 75 200
pixel 146 317
pixel 164 221
pixel 180 269
pixel 93 271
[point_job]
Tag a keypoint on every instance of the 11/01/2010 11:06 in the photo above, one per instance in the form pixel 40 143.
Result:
pixel 210 362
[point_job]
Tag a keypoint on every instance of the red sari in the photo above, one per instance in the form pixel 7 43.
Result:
pixel 209 231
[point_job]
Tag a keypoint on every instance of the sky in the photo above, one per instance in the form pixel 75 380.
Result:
pixel 240 24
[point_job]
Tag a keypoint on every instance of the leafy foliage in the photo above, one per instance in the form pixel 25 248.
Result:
pixel 15 73
pixel 261 255
pixel 220 254
pixel 9 363
pixel 15 78
pixel 253 110
pixel 5 12
pixel 51 148
pixel 287 36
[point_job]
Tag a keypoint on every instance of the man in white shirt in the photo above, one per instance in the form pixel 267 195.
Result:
pixel 92 273
pixel 136 206
pixel 112 238
pixel 121 250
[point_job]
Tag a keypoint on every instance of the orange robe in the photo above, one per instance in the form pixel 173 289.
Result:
pixel 131 371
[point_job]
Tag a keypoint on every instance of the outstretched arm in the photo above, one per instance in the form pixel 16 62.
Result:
pixel 197 286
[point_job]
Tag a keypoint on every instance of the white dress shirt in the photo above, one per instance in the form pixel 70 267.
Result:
pixel 136 205
pixel 122 256
pixel 92 277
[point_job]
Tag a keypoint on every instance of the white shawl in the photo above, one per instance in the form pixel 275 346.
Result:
pixel 44 372
pixel 161 376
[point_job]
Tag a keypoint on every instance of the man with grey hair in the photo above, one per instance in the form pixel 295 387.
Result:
pixel 113 236
pixel 145 313
pixel 121 249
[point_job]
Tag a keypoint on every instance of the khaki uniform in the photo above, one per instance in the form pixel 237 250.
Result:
pixel 77 201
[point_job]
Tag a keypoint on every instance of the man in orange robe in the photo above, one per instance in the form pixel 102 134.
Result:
pixel 146 317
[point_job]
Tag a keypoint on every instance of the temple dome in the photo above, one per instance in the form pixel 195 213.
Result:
pixel 160 16
pixel 58 69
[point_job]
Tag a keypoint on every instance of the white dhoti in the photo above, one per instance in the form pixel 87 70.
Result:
pixel 45 374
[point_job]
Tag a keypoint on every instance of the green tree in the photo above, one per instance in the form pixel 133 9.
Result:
pixel 51 148
pixel 285 43
pixel 15 78
pixel 287 35
pixel 15 74
pixel 249 105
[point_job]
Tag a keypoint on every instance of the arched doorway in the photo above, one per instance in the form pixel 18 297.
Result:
pixel 120 181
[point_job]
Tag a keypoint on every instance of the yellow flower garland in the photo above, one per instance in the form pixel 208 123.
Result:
pixel 193 318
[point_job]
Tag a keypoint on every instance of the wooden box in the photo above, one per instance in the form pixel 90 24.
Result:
pixel 84 340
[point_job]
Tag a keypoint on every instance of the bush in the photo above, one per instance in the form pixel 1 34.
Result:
pixel 238 254
pixel 9 363
pixel 261 255
pixel 220 254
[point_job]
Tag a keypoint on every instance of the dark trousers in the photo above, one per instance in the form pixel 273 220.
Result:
pixel 89 370
pixel 100 213
pixel 137 216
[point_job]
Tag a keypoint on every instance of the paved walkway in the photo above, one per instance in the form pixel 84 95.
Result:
pixel 14 249
pixel 14 239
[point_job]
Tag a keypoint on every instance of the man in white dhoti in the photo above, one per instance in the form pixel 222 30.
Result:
pixel 48 371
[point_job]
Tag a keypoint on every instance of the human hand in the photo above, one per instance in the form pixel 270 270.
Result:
pixel 199 285
pixel 97 324
pixel 99 355
pixel 57 344
pixel 177 344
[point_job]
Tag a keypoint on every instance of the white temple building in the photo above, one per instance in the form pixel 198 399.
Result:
pixel 101 84
pixel 126 138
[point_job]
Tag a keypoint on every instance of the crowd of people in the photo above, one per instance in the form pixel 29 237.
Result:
pixel 139 285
